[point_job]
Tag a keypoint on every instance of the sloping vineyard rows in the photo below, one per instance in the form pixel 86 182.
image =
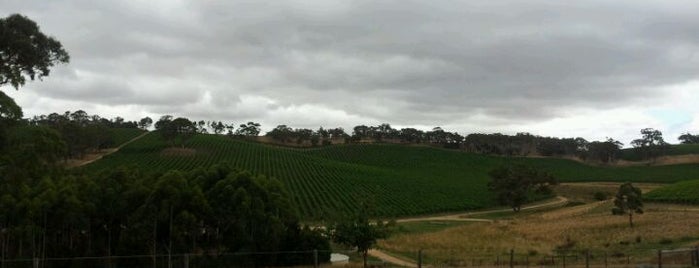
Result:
pixel 122 135
pixel 398 180
pixel 320 186
pixel 686 192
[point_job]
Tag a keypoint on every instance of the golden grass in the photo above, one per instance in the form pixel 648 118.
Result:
pixel 588 227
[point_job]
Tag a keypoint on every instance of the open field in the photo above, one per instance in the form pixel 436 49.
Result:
pixel 399 180
pixel 536 236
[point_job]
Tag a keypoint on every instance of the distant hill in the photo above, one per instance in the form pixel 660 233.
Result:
pixel 400 180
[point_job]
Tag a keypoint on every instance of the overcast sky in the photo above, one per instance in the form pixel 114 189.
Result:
pixel 594 69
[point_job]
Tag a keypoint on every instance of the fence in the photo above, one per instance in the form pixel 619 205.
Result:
pixel 310 258
pixel 686 257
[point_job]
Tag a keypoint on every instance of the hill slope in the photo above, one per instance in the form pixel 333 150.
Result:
pixel 399 180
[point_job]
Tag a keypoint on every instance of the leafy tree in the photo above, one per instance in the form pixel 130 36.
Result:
pixel 513 185
pixel 688 138
pixel 603 151
pixel 250 129
pixel 26 52
pixel 281 133
pixel 628 200
pixel 651 144
pixel 358 231
pixel 145 123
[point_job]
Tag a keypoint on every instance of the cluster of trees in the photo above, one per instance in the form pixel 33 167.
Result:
pixel 285 134
pixel 125 212
pixel 688 138
pixel 80 131
pixel 407 135
pixel 650 145
pixel 523 144
pixel 179 130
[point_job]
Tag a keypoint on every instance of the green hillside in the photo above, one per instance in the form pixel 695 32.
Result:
pixel 122 135
pixel 685 192
pixel 400 180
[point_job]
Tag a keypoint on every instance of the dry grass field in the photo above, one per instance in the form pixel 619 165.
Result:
pixel 571 229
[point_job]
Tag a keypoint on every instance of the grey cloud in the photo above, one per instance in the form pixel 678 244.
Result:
pixel 405 62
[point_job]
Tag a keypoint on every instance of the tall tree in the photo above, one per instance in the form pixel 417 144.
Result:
pixel 688 138
pixel 628 200
pixel 26 52
pixel 145 123
pixel 651 144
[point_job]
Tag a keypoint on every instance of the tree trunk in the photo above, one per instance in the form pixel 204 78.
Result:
pixel 364 255
pixel 631 219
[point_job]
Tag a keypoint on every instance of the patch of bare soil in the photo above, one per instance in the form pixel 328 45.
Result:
pixel 94 156
pixel 178 151
pixel 89 158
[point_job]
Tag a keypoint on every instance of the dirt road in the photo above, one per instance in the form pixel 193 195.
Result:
pixel 558 201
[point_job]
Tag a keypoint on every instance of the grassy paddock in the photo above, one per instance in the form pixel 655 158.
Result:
pixel 574 229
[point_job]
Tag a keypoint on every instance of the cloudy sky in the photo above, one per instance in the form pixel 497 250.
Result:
pixel 594 69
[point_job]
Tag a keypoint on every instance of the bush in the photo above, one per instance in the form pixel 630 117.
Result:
pixel 601 196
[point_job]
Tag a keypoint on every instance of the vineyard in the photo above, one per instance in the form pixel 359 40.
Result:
pixel 398 180
pixel 122 135
pixel 685 192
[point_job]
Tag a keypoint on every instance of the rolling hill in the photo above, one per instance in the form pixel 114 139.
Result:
pixel 400 180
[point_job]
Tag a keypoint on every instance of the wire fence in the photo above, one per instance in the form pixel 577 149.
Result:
pixel 685 257
pixel 309 258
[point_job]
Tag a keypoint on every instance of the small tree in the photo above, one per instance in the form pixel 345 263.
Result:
pixel 513 185
pixel 358 231
pixel 628 200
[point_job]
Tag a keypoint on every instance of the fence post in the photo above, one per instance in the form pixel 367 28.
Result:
pixel 315 258
pixel 660 258
pixel 512 258
pixel 497 260
pixel 587 258
pixel 186 260
pixel 696 256
pixel 605 260
pixel 35 262
pixel 419 258
pixel 526 259
pixel 564 260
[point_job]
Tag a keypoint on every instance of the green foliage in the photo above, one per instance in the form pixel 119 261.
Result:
pixel 600 196
pixel 513 185
pixel 357 231
pixel 127 212
pixel 685 192
pixel 628 200
pixel 402 180
pixel 26 52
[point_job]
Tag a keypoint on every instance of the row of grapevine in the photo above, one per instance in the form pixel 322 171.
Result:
pixel 398 180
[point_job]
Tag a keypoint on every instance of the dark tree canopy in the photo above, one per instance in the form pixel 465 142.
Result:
pixel 688 138
pixel 26 52
pixel 513 185
pixel 628 200
pixel 651 144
